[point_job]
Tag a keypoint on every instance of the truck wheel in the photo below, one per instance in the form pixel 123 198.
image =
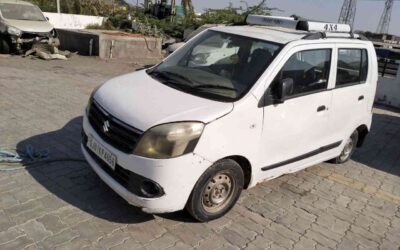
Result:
pixel 348 150
pixel 4 46
pixel 217 191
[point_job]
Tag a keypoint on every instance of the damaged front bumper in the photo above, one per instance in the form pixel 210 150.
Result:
pixel 26 40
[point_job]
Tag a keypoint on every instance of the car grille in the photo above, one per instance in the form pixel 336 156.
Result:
pixel 115 132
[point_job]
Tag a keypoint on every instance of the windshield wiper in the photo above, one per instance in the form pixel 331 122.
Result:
pixel 170 76
pixel 210 86
pixel 179 76
pixel 169 81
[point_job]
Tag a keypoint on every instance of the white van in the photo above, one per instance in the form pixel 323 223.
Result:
pixel 233 107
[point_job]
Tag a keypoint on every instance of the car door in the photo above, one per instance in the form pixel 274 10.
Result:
pixel 296 131
pixel 351 96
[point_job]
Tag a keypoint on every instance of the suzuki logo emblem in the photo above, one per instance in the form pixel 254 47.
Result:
pixel 106 126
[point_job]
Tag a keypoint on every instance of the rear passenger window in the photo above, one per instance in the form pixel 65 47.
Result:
pixel 352 67
pixel 309 70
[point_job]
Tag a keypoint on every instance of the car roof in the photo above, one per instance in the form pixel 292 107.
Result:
pixel 16 2
pixel 282 35
pixel 273 34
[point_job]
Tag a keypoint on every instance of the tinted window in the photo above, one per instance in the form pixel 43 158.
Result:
pixel 308 69
pixel 352 66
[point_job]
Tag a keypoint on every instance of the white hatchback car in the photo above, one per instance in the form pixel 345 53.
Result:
pixel 233 107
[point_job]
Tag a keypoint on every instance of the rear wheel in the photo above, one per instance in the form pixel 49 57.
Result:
pixel 217 191
pixel 4 46
pixel 348 150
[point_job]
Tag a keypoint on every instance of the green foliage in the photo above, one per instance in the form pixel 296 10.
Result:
pixel 210 16
pixel 83 7
pixel 147 24
pixel 221 16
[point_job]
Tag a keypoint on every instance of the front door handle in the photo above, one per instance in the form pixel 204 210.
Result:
pixel 321 108
pixel 360 98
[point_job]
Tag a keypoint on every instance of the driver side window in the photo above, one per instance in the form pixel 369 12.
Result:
pixel 309 71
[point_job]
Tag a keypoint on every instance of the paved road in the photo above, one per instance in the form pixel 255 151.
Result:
pixel 64 205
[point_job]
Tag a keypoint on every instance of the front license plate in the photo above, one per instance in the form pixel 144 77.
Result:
pixel 109 158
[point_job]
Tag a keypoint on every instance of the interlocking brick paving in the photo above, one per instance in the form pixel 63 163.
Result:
pixel 64 205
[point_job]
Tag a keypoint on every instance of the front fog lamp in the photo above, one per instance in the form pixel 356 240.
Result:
pixel 170 140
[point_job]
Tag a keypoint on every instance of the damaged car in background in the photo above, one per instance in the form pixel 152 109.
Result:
pixel 22 25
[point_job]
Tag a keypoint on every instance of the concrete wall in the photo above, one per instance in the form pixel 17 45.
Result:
pixel 81 41
pixel 388 91
pixel 130 48
pixel 68 21
pixel 112 45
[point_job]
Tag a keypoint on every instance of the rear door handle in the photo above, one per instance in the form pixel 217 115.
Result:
pixel 360 98
pixel 321 108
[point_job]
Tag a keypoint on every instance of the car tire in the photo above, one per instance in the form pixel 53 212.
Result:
pixel 4 46
pixel 348 150
pixel 217 191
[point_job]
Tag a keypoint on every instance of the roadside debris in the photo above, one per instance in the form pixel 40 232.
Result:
pixel 48 52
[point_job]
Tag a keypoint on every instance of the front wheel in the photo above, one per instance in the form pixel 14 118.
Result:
pixel 217 191
pixel 348 149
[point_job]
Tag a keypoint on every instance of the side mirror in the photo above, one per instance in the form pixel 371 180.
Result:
pixel 285 89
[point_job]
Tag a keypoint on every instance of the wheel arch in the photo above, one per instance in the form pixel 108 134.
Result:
pixel 362 134
pixel 246 167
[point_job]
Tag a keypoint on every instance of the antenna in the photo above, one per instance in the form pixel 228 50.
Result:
pixel 348 13
pixel 383 27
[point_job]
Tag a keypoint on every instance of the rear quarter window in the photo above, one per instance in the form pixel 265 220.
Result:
pixel 352 67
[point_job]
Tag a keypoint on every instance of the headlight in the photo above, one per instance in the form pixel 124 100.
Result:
pixel 170 140
pixel 14 31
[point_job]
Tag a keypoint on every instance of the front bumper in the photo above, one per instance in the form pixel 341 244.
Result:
pixel 176 176
pixel 25 43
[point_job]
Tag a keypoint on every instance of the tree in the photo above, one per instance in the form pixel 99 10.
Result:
pixel 259 9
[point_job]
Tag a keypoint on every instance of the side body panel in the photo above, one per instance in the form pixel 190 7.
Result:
pixel 352 104
pixel 236 134
pixel 294 131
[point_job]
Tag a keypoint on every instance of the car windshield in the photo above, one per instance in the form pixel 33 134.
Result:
pixel 217 65
pixel 21 12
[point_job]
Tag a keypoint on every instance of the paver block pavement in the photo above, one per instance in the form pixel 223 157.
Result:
pixel 64 205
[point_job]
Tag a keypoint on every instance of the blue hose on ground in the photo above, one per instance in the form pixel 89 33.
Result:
pixel 29 155
pixel 9 157
pixel 29 158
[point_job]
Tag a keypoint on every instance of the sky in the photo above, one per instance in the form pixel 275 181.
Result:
pixel 367 18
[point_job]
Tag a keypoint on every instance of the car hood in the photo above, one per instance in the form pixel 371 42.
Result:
pixel 142 102
pixel 31 26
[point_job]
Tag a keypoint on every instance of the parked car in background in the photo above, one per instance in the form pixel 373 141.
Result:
pixel 23 24
pixel 233 107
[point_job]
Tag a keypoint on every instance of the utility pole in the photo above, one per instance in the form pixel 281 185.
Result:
pixel 173 10
pixel 383 27
pixel 58 7
pixel 348 13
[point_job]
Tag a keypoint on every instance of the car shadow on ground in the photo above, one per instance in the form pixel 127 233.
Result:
pixel 77 184
pixel 71 179
pixel 381 149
